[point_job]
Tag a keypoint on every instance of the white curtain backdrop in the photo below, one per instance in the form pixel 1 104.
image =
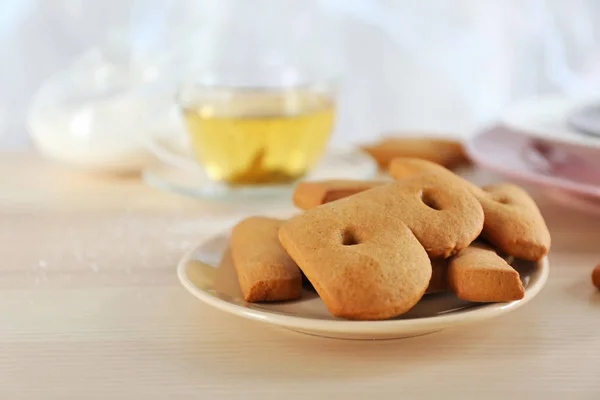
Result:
pixel 448 66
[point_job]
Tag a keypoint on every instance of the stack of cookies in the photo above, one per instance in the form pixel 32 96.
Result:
pixel 373 249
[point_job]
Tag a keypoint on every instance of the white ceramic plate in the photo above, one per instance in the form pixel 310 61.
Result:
pixel 208 273
pixel 554 119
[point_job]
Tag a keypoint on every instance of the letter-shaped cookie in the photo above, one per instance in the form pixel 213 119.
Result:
pixel 265 271
pixel 478 274
pixel 513 222
pixel 367 255
pixel 311 194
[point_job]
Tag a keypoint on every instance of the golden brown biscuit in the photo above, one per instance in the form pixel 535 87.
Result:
pixel 596 276
pixel 439 279
pixel 513 222
pixel 312 194
pixel 367 255
pixel 448 153
pixel 478 274
pixel 265 271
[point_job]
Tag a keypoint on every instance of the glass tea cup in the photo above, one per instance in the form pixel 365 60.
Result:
pixel 258 135
pixel 259 132
pixel 256 88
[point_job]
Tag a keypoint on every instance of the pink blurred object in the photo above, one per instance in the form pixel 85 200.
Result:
pixel 568 123
pixel 567 178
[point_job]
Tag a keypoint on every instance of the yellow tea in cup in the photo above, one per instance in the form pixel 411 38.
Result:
pixel 253 136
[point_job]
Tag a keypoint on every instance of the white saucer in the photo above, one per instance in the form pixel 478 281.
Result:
pixel 208 273
pixel 335 164
pixel 557 120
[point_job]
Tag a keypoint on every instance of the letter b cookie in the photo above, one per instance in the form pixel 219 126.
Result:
pixel 513 222
pixel 368 255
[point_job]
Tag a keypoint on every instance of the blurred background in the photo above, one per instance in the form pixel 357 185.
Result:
pixel 435 65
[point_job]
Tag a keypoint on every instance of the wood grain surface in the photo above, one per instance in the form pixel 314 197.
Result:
pixel 91 309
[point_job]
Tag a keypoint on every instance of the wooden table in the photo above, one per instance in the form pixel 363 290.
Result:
pixel 91 309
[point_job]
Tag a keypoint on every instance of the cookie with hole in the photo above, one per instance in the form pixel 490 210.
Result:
pixel 265 271
pixel 513 222
pixel 368 255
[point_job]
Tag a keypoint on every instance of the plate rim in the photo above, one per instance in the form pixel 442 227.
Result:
pixel 341 326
